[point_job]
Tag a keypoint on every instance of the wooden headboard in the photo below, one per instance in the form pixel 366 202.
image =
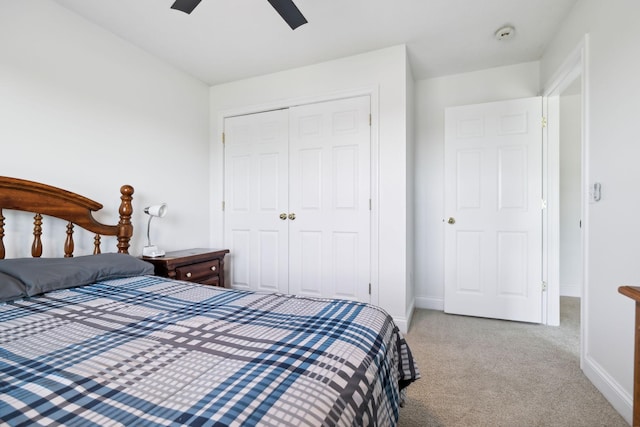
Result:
pixel 42 199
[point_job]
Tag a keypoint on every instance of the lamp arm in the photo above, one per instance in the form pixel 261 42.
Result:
pixel 148 230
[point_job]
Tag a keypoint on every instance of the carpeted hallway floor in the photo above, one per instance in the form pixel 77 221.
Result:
pixel 485 372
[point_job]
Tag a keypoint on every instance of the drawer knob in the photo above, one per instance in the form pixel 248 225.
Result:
pixel 213 268
pixel 188 274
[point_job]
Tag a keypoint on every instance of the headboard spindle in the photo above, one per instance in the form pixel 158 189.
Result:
pixel 68 243
pixel 36 247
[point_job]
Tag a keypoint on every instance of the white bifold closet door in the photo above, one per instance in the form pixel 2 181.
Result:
pixel 297 199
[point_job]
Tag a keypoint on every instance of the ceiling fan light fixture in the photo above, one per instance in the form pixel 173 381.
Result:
pixel 505 33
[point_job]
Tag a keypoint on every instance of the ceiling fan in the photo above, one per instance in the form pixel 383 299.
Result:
pixel 286 8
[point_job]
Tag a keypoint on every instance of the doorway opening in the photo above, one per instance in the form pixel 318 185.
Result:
pixel 570 218
pixel 565 189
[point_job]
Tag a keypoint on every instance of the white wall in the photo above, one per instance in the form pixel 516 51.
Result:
pixel 612 227
pixel 86 111
pixel 432 97
pixel 382 73
pixel 570 195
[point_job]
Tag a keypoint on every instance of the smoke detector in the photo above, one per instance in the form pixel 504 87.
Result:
pixel 505 33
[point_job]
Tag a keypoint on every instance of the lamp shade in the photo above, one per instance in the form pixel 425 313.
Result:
pixel 157 210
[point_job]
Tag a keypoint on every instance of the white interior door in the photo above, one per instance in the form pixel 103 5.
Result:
pixel 256 194
pixel 493 209
pixel 329 190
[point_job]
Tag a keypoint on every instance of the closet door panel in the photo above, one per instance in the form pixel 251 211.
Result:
pixel 310 178
pixel 311 282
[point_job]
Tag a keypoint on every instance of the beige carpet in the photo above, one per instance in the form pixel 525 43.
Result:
pixel 484 372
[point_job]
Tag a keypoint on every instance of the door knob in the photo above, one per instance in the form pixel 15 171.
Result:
pixel 283 216
pixel 292 216
pixel 452 220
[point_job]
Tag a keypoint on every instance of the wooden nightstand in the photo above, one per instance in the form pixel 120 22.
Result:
pixel 205 266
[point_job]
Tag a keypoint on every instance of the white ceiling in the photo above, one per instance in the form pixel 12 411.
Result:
pixel 226 40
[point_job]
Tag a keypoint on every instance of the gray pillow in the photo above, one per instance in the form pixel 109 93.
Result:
pixel 41 275
pixel 11 288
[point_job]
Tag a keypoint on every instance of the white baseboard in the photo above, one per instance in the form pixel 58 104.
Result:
pixel 430 303
pixel 610 389
pixel 403 322
pixel 437 303
pixel 570 290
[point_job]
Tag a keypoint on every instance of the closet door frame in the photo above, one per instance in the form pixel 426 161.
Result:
pixel 373 93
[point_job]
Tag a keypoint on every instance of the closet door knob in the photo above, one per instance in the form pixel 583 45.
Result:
pixel 283 216
pixel 292 216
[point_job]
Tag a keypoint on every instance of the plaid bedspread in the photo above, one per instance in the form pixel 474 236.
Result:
pixel 151 351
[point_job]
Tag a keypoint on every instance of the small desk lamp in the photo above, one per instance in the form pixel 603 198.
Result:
pixel 159 211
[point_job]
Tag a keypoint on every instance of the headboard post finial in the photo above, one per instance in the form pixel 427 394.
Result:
pixel 125 228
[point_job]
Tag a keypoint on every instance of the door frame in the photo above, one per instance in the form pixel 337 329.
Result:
pixel 373 93
pixel 575 65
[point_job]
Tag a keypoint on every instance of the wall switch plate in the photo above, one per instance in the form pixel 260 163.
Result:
pixel 595 192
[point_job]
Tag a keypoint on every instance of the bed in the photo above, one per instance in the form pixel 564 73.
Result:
pixel 98 340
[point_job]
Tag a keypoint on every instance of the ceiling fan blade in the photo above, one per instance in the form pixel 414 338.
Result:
pixel 289 12
pixel 185 6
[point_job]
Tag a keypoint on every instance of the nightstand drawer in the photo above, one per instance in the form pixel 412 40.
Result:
pixel 199 265
pixel 201 272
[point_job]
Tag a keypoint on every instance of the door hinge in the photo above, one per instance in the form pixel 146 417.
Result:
pixel 370 120
pixel 544 122
pixel 369 288
pixel 544 204
pixel 544 286
pixel 369 204
pixel 223 206
pixel 223 137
